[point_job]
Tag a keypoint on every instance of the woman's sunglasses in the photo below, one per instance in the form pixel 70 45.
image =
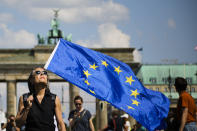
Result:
pixel 41 72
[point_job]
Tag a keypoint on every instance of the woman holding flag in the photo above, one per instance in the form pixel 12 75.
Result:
pixel 37 108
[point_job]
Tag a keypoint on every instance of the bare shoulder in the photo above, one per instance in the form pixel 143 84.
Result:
pixel 57 100
pixel 21 100
pixel 20 104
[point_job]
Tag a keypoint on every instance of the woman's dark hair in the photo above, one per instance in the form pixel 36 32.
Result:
pixel 78 98
pixel 30 81
pixel 180 84
pixel 115 113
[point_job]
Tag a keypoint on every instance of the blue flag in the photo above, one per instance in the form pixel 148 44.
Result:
pixel 110 80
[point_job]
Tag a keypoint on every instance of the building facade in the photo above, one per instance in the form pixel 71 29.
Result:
pixel 161 78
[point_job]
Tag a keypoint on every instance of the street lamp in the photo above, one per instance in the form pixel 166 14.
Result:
pixel 190 84
pixel 62 95
pixel 169 84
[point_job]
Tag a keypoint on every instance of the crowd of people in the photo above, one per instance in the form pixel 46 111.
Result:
pixel 38 108
pixel 10 125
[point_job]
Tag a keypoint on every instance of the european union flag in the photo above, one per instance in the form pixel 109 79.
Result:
pixel 110 80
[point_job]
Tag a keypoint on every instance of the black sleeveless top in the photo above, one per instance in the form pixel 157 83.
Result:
pixel 41 116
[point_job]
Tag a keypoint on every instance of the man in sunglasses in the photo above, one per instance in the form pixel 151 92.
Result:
pixel 36 109
pixel 80 119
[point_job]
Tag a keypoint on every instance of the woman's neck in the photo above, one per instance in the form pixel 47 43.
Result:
pixel 40 91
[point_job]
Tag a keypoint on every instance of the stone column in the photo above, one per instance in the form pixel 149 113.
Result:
pixel 73 91
pixel 101 114
pixel 11 97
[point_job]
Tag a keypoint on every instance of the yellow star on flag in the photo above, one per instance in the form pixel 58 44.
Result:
pixel 129 107
pixel 93 66
pixel 134 93
pixel 86 73
pixel 135 102
pixel 129 80
pixel 86 81
pixel 117 69
pixel 92 91
pixel 104 63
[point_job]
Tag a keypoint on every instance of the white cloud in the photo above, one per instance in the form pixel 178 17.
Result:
pixel 171 23
pixel 39 13
pixel 6 17
pixel 104 12
pixel 137 56
pixel 18 39
pixel 109 36
pixel 25 4
pixel 10 2
pixel 72 10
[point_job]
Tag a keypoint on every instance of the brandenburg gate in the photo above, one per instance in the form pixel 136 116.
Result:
pixel 16 64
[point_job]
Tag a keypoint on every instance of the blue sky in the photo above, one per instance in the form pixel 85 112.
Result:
pixel 166 29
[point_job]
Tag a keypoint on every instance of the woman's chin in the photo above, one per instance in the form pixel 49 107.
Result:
pixel 44 84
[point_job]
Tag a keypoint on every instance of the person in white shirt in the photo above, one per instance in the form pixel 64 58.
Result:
pixel 126 125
